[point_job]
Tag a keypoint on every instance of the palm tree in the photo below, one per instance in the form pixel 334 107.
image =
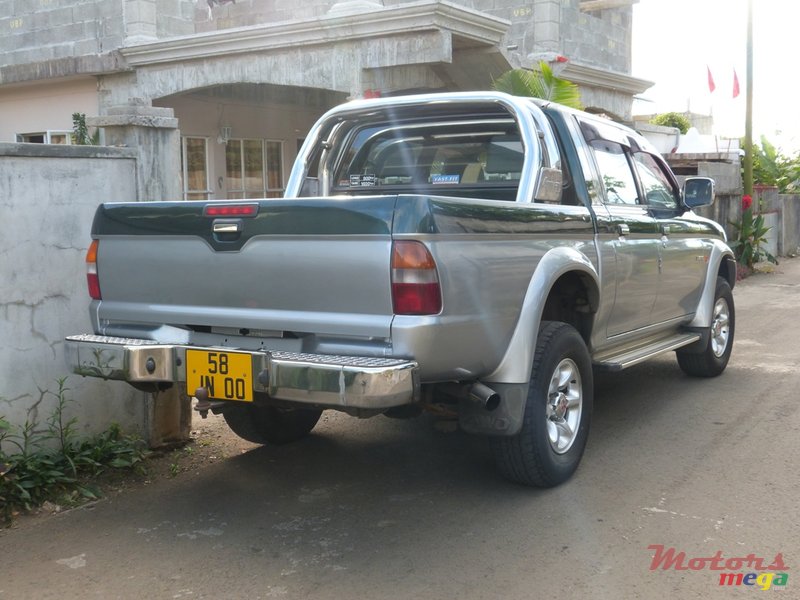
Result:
pixel 541 83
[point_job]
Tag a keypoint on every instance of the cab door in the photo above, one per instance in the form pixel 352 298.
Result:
pixel 683 255
pixel 628 229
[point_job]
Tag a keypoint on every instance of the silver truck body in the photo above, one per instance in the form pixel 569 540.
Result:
pixel 305 286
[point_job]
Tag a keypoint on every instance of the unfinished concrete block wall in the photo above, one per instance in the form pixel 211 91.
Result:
pixel 176 17
pixel 48 196
pixel 255 12
pixel 791 224
pixel 781 213
pixel 34 31
pixel 600 38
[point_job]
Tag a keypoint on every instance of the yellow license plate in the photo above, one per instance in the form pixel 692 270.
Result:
pixel 226 375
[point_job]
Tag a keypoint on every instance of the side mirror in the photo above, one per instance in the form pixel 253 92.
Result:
pixel 698 191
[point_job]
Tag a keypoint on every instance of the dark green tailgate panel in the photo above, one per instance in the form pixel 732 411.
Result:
pixel 314 217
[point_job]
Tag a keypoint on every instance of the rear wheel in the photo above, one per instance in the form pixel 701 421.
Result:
pixel 713 359
pixel 270 425
pixel 555 426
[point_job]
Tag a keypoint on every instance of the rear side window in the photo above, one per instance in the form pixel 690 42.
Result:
pixel 615 170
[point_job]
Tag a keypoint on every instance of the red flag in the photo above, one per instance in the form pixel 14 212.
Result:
pixel 711 86
pixel 735 84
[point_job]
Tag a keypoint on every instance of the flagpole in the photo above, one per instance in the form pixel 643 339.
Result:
pixel 748 118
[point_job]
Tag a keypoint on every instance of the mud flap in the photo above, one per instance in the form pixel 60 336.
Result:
pixel 505 420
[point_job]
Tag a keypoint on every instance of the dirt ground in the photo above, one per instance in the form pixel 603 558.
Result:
pixel 211 441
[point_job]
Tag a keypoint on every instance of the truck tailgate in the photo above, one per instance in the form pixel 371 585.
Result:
pixel 311 265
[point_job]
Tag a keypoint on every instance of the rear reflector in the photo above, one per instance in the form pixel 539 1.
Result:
pixel 91 271
pixel 231 210
pixel 415 282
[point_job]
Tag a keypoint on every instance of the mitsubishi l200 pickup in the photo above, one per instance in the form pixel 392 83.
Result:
pixel 473 249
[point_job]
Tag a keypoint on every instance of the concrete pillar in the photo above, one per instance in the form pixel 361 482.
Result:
pixel 139 21
pixel 168 418
pixel 546 25
pixel 154 133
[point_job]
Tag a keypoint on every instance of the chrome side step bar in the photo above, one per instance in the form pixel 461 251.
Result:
pixel 616 360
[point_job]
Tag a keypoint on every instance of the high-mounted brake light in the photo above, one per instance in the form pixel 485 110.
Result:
pixel 231 210
pixel 415 282
pixel 91 271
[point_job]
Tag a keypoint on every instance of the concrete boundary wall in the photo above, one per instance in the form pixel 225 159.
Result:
pixel 781 211
pixel 785 234
pixel 48 196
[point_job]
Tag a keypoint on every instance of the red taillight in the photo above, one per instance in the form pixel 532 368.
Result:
pixel 91 272
pixel 231 210
pixel 415 282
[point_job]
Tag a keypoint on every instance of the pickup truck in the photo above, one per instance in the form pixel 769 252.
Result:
pixel 475 250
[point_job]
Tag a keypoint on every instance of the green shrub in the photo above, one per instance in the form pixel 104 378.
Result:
pixel 539 83
pixel 751 235
pixel 772 167
pixel 54 463
pixel 672 119
pixel 80 132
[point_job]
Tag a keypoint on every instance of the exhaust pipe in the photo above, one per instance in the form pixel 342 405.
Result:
pixel 484 396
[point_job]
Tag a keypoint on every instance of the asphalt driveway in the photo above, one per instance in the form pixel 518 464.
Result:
pixel 385 509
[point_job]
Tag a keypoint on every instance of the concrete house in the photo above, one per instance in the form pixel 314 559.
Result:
pixel 217 95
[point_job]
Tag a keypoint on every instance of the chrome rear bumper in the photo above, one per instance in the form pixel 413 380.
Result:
pixel 322 380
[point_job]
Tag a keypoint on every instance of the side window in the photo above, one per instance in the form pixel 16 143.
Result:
pixel 618 180
pixel 658 190
pixel 195 168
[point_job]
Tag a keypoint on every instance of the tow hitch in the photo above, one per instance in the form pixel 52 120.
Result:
pixel 204 404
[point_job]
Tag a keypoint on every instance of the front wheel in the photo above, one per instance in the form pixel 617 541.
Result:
pixel 714 357
pixel 558 410
pixel 270 425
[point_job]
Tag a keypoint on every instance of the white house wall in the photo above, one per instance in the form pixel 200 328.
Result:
pixel 41 107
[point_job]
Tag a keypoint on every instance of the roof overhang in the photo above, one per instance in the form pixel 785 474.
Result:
pixel 596 5
pixel 61 68
pixel 469 28
pixel 590 76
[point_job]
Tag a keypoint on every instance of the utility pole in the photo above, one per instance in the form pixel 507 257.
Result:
pixel 748 118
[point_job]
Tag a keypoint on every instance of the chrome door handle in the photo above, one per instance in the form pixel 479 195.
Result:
pixel 664 235
pixel 227 226
pixel 623 229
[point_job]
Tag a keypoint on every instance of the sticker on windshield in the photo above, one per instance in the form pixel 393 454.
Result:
pixel 445 179
pixel 362 180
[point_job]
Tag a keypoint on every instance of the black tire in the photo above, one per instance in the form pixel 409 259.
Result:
pixel 532 457
pixel 270 425
pixel 711 360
